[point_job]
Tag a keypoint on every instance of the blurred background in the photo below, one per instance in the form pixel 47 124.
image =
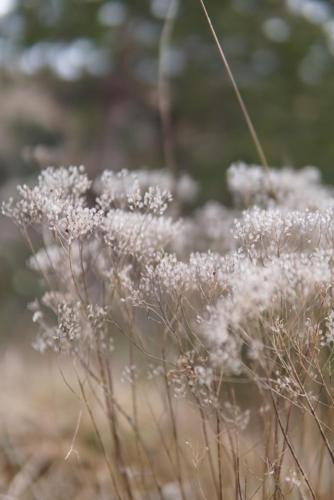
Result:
pixel 79 85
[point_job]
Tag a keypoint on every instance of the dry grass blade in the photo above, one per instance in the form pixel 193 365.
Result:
pixel 240 99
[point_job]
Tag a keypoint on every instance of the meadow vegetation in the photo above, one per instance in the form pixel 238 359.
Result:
pixel 201 345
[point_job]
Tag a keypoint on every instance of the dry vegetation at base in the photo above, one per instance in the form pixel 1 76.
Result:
pixel 46 456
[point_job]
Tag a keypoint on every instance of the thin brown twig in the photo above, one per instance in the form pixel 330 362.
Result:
pixel 240 99
pixel 164 99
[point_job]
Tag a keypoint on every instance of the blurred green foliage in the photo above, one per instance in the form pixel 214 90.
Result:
pixel 94 56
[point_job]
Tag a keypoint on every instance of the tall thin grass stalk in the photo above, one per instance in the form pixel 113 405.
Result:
pixel 164 97
pixel 243 107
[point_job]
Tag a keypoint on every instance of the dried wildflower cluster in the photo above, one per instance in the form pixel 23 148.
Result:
pixel 227 296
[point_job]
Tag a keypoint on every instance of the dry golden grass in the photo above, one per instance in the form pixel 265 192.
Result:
pixel 49 451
